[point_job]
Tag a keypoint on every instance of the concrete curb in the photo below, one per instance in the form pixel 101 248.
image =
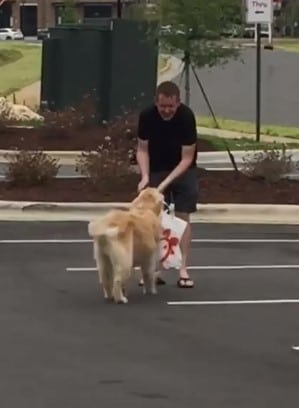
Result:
pixel 61 206
pixel 69 157
pixel 212 213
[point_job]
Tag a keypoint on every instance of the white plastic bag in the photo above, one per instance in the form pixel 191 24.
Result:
pixel 169 252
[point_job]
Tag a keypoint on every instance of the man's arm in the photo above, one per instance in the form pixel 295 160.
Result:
pixel 142 157
pixel 187 158
pixel 189 137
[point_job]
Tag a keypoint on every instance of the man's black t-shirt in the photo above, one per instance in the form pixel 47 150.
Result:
pixel 166 137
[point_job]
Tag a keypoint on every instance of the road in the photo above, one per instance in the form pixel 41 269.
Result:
pixel 63 346
pixel 231 89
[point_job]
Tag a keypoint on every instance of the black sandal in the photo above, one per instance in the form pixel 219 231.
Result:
pixel 182 283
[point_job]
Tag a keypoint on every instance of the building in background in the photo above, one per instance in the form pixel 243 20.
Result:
pixel 30 15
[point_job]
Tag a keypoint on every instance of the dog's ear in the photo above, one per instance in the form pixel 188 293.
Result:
pixel 157 201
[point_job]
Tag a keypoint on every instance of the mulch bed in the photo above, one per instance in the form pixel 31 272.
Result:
pixel 47 139
pixel 215 187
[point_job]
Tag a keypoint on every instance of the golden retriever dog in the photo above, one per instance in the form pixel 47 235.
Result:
pixel 124 239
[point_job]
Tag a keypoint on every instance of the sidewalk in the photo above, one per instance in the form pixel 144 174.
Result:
pixel 229 134
pixel 29 96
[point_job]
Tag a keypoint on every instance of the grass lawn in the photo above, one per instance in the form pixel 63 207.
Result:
pixel 289 44
pixel 286 44
pixel 290 47
pixel 8 56
pixel 244 144
pixel 248 127
pixel 24 71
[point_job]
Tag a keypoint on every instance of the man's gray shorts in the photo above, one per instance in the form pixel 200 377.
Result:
pixel 183 192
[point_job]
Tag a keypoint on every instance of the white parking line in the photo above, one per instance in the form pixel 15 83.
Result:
pixel 195 240
pixel 243 267
pixel 231 302
pixel 246 241
pixel 45 241
pixel 205 267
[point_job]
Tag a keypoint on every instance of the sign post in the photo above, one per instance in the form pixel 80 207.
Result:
pixel 259 12
pixel 119 8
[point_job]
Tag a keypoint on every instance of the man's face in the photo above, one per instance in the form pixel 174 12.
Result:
pixel 167 106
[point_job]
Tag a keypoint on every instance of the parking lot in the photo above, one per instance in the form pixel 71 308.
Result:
pixel 63 346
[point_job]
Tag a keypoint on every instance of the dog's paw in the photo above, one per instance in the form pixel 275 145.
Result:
pixel 152 291
pixel 123 300
pixel 107 297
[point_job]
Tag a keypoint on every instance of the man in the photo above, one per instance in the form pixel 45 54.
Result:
pixel 166 155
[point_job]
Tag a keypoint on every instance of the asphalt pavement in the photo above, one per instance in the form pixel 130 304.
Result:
pixel 63 346
pixel 231 88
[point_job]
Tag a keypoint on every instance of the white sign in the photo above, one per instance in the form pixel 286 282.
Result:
pixel 259 11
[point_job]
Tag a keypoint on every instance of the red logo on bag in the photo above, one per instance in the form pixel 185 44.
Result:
pixel 170 243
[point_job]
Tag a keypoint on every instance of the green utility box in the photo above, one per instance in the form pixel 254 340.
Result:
pixel 116 62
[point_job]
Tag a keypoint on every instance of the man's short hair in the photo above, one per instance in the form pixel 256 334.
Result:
pixel 168 89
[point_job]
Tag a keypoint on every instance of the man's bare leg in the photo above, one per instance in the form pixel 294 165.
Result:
pixel 185 279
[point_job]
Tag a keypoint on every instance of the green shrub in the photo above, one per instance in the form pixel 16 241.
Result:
pixel 270 164
pixel 30 168
pixel 114 155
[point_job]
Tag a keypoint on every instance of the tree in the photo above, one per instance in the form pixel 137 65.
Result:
pixel 193 28
pixel 141 11
pixel 290 16
pixel 69 14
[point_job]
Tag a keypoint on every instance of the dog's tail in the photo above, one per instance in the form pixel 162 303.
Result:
pixel 105 238
pixel 101 235
pixel 105 243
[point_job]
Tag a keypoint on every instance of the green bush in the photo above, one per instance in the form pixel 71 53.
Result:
pixel 269 165
pixel 113 157
pixel 30 168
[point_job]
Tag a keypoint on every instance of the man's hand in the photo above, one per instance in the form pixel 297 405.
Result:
pixel 187 157
pixel 143 183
